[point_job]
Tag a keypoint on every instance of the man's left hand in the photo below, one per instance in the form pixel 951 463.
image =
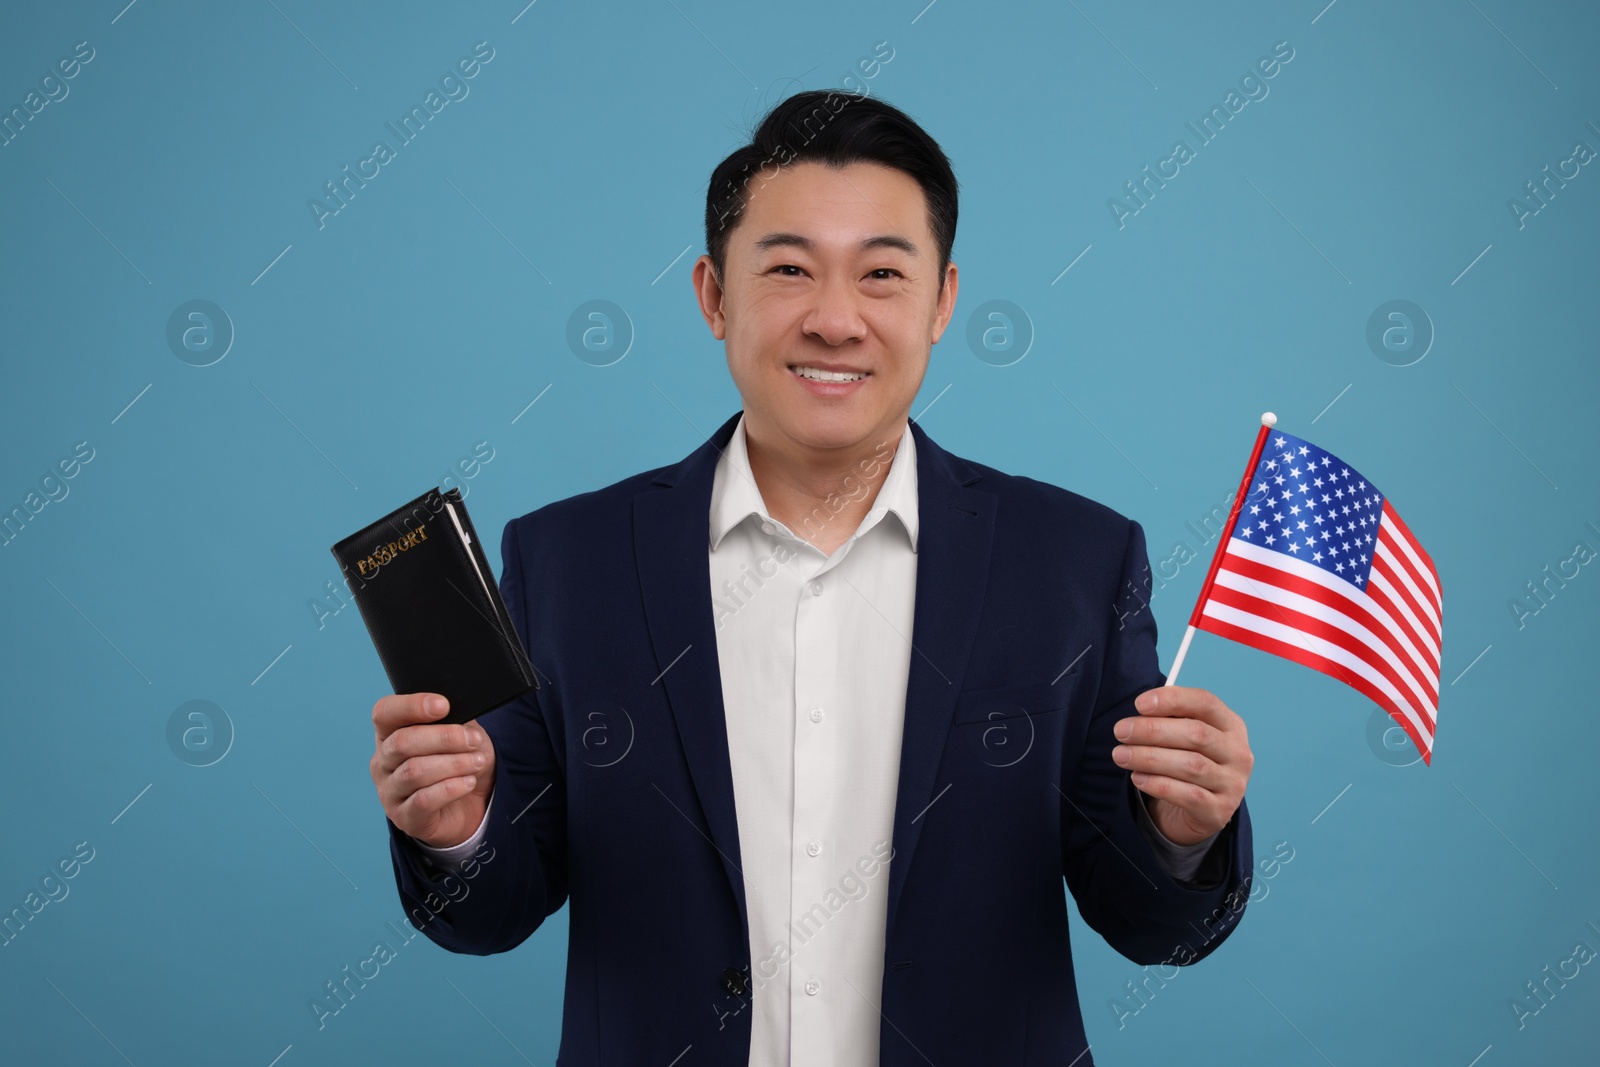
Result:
pixel 1190 757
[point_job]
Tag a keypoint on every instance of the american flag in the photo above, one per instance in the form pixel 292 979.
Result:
pixel 1317 567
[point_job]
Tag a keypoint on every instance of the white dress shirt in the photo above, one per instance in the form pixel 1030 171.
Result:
pixel 814 654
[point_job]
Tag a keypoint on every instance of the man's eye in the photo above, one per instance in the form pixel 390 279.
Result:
pixel 887 270
pixel 787 266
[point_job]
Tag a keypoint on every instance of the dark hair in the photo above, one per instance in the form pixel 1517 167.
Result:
pixel 836 129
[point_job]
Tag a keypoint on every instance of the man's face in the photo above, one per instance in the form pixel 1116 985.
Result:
pixel 829 269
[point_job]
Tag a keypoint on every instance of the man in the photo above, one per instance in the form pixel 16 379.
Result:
pixel 830 712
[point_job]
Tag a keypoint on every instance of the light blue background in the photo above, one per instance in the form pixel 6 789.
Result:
pixel 430 312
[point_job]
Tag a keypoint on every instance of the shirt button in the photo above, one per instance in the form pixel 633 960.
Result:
pixel 816 588
pixel 767 527
pixel 812 987
pixel 814 848
pixel 816 714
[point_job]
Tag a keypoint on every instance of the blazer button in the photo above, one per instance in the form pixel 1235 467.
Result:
pixel 733 981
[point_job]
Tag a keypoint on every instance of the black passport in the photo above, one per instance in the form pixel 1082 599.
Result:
pixel 429 599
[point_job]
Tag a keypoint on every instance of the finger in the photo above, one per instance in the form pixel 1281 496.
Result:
pixel 424 804
pixel 1194 801
pixel 427 740
pixel 392 712
pixel 1182 765
pixel 422 772
pixel 1185 701
pixel 1182 733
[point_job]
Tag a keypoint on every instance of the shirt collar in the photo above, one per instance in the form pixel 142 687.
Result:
pixel 735 496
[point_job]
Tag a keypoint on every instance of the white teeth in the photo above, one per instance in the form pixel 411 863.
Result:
pixel 827 375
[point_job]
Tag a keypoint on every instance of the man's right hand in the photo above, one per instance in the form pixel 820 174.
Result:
pixel 433 779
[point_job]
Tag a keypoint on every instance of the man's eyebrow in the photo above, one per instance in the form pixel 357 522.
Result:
pixel 795 240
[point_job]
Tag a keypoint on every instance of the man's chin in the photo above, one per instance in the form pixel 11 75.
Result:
pixel 830 430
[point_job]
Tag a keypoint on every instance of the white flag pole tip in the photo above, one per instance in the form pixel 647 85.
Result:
pixel 1183 650
pixel 1267 419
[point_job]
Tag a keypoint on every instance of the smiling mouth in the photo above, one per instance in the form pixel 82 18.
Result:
pixel 817 374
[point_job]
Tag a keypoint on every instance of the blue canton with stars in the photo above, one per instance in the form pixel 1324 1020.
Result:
pixel 1306 503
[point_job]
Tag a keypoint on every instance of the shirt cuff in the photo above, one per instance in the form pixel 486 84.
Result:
pixel 452 857
pixel 1180 861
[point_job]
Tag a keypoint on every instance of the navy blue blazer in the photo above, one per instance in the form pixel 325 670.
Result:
pixel 613 791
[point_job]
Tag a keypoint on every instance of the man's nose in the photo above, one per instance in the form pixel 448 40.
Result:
pixel 835 315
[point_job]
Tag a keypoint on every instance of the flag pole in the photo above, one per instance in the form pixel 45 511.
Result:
pixel 1268 421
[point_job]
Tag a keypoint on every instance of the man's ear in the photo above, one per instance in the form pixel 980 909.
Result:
pixel 946 305
pixel 708 292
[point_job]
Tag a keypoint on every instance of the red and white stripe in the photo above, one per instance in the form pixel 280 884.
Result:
pixel 1383 640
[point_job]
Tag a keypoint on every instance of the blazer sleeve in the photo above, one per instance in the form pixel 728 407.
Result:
pixel 1122 890
pixel 517 877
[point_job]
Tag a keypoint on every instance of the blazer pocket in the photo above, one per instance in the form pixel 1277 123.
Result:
pixel 1009 701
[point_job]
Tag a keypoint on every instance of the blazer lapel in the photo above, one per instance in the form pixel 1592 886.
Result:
pixel 671 536
pixel 955 532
